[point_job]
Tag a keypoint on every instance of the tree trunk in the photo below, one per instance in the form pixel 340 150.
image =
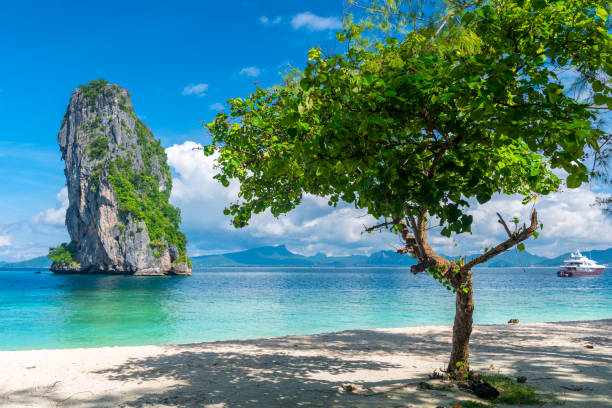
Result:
pixel 462 329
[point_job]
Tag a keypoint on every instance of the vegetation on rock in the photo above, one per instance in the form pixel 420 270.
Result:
pixel 92 90
pixel 64 254
pixel 98 147
pixel 140 195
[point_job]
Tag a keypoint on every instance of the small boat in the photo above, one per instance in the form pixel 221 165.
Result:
pixel 579 265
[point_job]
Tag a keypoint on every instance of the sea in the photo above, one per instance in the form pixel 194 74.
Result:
pixel 47 311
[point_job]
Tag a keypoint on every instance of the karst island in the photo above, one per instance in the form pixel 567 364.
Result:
pixel 119 217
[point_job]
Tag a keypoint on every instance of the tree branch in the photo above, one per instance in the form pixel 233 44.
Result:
pixel 389 13
pixel 507 244
pixel 424 253
pixel 381 225
pixel 502 222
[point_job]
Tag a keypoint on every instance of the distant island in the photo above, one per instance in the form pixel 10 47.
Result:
pixel 281 256
pixel 119 216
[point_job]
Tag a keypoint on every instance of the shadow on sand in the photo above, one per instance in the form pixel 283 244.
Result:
pixel 308 370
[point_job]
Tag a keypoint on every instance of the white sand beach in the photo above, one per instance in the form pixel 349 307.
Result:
pixel 571 362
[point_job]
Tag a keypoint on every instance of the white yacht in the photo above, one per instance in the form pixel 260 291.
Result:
pixel 580 265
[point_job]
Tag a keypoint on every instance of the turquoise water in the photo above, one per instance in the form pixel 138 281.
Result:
pixel 60 311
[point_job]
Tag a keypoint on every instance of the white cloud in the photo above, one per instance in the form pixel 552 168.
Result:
pixel 5 240
pixel 569 218
pixel 217 107
pixel 250 72
pixel 266 21
pixel 195 89
pixel 57 215
pixel 312 227
pixel 313 22
pixel 570 221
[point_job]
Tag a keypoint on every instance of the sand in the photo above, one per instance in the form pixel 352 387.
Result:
pixel 388 364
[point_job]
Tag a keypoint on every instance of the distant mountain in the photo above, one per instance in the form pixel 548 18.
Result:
pixel 263 256
pixel 39 262
pixel 390 258
pixel 513 258
pixel 276 256
pixel 281 256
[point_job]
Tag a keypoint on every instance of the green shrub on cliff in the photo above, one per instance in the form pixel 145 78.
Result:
pixel 92 90
pixel 146 194
pixel 139 195
pixel 98 147
pixel 64 254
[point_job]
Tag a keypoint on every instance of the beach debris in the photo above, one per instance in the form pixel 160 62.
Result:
pixel 521 380
pixel 483 389
pixel 437 375
pixel 424 385
pixel 435 385
pixel 513 321
pixel 353 388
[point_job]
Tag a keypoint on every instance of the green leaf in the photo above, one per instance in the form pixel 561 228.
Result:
pixel 521 247
pixel 483 198
pixel 597 86
pixel 602 13
pixel 574 181
pixel 600 99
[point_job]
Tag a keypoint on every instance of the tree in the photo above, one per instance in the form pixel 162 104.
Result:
pixel 415 131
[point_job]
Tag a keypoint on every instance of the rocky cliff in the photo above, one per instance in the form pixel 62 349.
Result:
pixel 119 183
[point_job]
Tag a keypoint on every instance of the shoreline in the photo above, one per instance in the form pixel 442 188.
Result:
pixel 310 369
pixel 242 339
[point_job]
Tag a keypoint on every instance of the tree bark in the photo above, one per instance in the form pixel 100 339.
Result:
pixel 457 274
pixel 462 330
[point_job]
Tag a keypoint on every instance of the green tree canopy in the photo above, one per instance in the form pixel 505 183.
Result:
pixel 412 128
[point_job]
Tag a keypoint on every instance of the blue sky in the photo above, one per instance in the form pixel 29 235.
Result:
pixel 180 60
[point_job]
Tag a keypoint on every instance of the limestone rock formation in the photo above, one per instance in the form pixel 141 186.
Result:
pixel 119 183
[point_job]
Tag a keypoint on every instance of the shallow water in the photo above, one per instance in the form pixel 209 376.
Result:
pixel 63 311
